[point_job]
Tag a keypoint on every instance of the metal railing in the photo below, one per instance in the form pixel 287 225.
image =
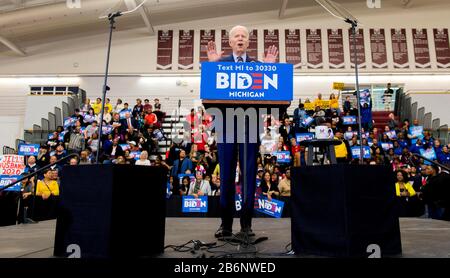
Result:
pixel 432 161
pixel 40 170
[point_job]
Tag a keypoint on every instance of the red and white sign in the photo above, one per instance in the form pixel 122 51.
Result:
pixel 314 48
pixel 271 37
pixel 336 49
pixel 421 48
pixel 378 48
pixel 11 165
pixel 186 50
pixel 399 48
pixel 442 47
pixel 164 52
pixel 361 50
pixel 292 47
pixel 205 37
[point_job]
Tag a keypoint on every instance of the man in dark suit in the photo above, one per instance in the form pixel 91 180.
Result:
pixel 128 125
pixel 228 152
pixel 287 131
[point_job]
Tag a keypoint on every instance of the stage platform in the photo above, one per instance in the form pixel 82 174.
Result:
pixel 421 238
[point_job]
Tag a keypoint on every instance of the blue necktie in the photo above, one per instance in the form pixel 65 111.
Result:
pixel 240 59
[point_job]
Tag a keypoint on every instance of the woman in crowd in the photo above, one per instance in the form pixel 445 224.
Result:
pixel 86 106
pixel 89 117
pixel 143 159
pixel 268 188
pixel 185 186
pixel 409 204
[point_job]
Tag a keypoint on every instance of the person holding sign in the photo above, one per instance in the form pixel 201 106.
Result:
pixel 239 42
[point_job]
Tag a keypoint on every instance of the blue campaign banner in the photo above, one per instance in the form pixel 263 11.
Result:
pixel 416 131
pixel 356 150
pixel 246 81
pixel 391 134
pixel 304 136
pixel 273 208
pixel 61 135
pixel 192 204
pixel 387 145
pixel 428 153
pixel 349 120
pixel 28 149
pixel 123 113
pixel 306 122
pixel 7 180
pixel 107 129
pixel 282 156
pixel 238 202
pixel 135 155
pixel 124 147
pixel 364 96
pixel 88 118
pixel 68 122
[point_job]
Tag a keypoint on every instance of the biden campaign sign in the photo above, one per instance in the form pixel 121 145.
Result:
pixel 356 152
pixel 349 120
pixel 273 208
pixel 304 136
pixel 192 204
pixel 282 156
pixel 7 180
pixel 246 81
pixel 28 149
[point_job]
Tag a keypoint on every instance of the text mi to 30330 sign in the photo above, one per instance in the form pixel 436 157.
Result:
pixel 246 81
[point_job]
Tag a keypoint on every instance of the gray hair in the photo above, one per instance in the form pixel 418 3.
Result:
pixel 235 28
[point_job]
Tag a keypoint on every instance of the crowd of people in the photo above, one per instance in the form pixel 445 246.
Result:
pixel 131 136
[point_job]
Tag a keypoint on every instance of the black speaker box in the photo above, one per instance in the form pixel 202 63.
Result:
pixel 342 210
pixel 109 211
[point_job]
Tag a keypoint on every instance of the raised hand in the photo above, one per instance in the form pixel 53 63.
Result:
pixel 271 55
pixel 211 50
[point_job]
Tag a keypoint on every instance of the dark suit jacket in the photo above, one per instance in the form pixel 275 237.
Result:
pixel 119 151
pixel 285 134
pixel 230 58
pixel 124 126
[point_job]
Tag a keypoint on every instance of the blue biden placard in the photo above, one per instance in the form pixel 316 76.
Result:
pixel 246 81
pixel 192 204
pixel 28 149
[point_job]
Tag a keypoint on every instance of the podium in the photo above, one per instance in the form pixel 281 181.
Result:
pixel 344 210
pixel 111 211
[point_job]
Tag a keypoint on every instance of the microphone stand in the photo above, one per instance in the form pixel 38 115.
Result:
pixel 111 18
pixel 358 97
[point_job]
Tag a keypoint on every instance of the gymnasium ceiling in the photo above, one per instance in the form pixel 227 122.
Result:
pixel 24 23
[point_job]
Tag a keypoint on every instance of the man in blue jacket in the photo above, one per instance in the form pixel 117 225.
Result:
pixel 228 152
pixel 180 166
pixel 444 156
